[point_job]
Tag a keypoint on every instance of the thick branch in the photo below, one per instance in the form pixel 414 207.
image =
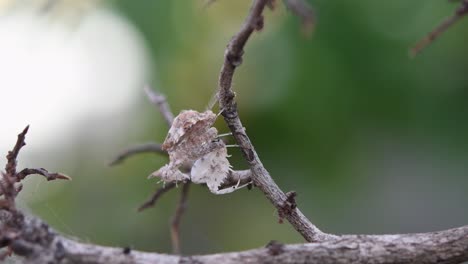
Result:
pixel 260 177
pixel 37 243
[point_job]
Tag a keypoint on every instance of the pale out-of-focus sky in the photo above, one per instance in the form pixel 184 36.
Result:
pixel 59 69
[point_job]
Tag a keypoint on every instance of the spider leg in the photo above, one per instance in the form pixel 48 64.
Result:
pixel 225 134
pixel 220 112
pixel 229 189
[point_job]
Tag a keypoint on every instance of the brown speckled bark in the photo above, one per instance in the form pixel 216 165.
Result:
pixel 40 245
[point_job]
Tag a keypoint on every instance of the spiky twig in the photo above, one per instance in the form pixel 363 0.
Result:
pixel 11 177
pixel 10 167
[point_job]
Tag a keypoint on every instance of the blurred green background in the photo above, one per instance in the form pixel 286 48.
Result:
pixel 370 139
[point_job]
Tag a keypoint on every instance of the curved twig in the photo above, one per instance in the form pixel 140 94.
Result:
pixel 149 147
pixel 260 176
pixel 156 195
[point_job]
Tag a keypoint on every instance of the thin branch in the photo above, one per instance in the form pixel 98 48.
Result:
pixel 150 147
pixel 156 195
pixel 304 11
pixel 160 101
pixel 447 23
pixel 175 221
pixel 260 176
pixel 48 175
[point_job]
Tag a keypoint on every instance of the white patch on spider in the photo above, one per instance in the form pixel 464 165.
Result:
pixel 192 140
pixel 212 169
pixel 190 137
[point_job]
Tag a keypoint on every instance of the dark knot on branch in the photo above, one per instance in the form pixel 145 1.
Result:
pixel 288 206
pixel 275 248
pixel 235 59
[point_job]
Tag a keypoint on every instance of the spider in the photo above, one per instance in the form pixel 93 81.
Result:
pixel 192 139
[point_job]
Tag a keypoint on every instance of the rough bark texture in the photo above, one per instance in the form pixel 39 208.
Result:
pixel 260 176
pixel 39 244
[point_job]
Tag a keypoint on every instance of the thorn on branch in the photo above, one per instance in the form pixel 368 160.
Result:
pixel 250 155
pixel 288 206
pixel 259 23
pixel 235 59
pixel 156 195
pixel 275 248
pixel 127 250
pixel 143 148
pixel 60 251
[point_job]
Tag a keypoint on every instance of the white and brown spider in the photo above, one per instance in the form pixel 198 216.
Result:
pixel 192 139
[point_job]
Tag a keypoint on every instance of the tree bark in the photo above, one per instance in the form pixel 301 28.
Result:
pixel 39 244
